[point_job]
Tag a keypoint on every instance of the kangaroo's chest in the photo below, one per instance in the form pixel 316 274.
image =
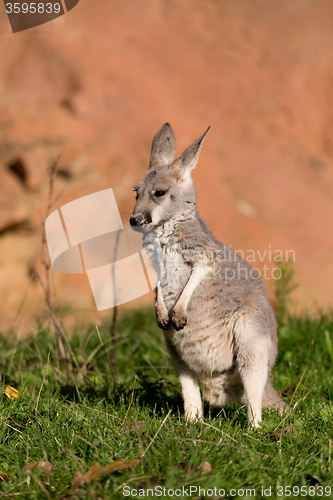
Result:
pixel 176 273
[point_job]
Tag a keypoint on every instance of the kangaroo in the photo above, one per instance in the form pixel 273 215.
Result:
pixel 220 329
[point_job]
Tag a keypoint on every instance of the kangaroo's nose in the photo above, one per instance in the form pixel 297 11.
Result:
pixel 136 220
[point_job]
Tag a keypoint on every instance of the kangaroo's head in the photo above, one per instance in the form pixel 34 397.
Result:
pixel 167 189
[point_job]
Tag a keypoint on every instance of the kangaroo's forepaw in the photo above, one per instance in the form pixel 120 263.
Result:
pixel 162 318
pixel 179 319
pixel 163 322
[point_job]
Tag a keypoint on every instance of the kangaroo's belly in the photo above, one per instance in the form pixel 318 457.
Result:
pixel 207 347
pixel 206 344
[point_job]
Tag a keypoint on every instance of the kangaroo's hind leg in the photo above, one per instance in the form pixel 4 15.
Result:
pixel 271 399
pixel 190 386
pixel 253 359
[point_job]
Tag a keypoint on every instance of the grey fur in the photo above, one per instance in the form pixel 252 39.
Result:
pixel 220 329
pixel 188 159
pixel 163 147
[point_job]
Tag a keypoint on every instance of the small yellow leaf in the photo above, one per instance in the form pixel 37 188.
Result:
pixel 306 395
pixel 11 392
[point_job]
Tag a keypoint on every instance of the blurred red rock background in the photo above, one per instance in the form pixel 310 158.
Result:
pixel 96 84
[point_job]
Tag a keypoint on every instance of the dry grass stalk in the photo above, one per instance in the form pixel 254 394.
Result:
pixel 62 357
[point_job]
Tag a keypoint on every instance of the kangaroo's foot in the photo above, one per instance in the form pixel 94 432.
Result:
pixel 271 399
pixel 192 399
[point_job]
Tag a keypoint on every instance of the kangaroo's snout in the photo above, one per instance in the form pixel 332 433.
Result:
pixel 140 222
pixel 136 220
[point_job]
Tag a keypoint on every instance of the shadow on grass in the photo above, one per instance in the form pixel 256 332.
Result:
pixel 158 395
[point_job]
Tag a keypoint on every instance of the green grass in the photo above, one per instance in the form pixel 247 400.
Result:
pixel 99 417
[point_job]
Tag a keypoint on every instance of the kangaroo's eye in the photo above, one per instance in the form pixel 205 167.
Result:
pixel 160 193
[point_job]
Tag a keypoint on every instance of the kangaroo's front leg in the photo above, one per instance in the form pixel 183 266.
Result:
pixel 162 315
pixel 179 317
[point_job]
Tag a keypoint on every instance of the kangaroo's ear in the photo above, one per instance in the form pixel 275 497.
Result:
pixel 185 163
pixel 163 148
